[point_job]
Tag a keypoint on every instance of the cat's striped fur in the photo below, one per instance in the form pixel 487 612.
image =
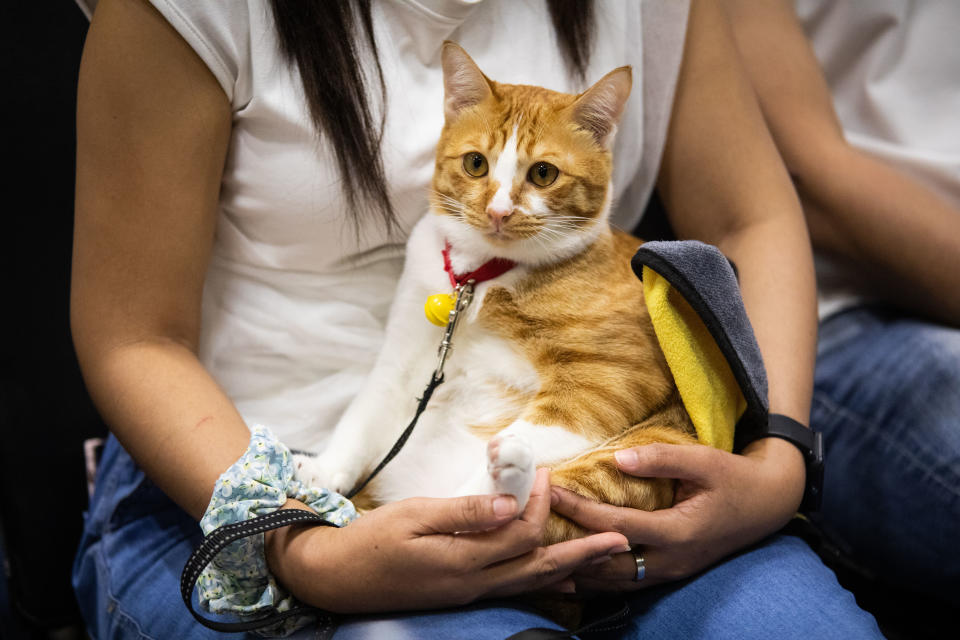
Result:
pixel 556 363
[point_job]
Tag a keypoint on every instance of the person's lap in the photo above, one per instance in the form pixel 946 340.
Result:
pixel 779 589
pixel 887 398
pixel 137 541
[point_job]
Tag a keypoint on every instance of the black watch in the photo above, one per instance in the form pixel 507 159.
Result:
pixel 810 444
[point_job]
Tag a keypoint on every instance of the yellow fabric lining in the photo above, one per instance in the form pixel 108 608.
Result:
pixel 707 385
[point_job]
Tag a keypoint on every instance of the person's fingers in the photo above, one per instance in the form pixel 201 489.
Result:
pixel 567 585
pixel 452 515
pixel 640 527
pixel 479 513
pixel 547 565
pixel 478 550
pixel 619 573
pixel 680 461
pixel 538 506
pixel 622 566
pixel 514 538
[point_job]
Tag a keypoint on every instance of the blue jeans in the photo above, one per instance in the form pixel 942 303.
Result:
pixel 887 398
pixel 136 542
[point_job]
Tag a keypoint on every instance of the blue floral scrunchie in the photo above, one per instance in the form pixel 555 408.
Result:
pixel 237 580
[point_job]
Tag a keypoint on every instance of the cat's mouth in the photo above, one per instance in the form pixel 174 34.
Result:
pixel 504 235
pixel 497 232
pixel 512 229
pixel 498 238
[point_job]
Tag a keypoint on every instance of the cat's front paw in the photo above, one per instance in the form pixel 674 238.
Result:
pixel 324 472
pixel 510 464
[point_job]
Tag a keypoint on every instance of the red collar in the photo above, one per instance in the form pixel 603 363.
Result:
pixel 487 271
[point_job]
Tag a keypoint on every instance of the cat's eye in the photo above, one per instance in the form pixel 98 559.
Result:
pixel 475 164
pixel 543 174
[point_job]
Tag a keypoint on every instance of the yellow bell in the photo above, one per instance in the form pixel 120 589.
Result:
pixel 438 308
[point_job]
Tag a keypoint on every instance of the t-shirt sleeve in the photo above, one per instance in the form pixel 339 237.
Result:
pixel 219 32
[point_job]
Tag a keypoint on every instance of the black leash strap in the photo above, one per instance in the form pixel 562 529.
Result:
pixel 402 440
pixel 220 538
pixel 464 297
pixel 223 536
pixel 615 619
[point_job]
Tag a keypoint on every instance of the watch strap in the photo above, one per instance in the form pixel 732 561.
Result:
pixel 810 444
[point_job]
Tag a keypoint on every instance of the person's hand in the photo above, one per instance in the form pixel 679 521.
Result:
pixel 423 553
pixel 723 503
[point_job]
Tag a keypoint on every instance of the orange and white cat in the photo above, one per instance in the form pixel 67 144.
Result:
pixel 555 363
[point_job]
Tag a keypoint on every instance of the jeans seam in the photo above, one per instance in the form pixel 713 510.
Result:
pixel 880 434
pixel 130 621
pixel 112 598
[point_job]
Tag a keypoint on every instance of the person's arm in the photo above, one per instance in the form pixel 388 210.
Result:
pixel 153 128
pixel 902 238
pixel 723 182
pixel 152 134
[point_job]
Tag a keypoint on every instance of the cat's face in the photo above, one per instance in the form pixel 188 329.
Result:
pixel 524 172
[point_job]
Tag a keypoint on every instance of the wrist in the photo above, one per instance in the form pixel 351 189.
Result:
pixel 784 469
pixel 783 430
pixel 779 457
pixel 286 549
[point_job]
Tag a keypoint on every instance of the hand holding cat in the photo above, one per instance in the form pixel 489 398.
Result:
pixel 724 502
pixel 422 553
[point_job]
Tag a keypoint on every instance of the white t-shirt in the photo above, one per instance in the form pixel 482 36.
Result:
pixel 893 67
pixel 295 303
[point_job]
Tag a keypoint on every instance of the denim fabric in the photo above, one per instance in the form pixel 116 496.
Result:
pixel 887 399
pixel 779 589
pixel 136 542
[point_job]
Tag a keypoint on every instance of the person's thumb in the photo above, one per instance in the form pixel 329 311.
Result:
pixel 470 513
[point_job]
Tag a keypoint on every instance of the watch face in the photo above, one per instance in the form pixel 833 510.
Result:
pixel 813 494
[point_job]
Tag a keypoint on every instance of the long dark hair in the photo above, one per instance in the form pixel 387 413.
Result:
pixel 321 37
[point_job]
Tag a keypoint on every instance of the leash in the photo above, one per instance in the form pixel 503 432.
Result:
pixel 464 296
pixel 218 539
pixel 223 536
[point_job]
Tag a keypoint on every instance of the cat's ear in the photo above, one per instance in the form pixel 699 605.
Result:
pixel 464 85
pixel 598 109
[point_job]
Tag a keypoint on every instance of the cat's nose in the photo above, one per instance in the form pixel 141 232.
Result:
pixel 498 215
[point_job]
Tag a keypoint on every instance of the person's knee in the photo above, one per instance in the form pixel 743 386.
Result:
pixel 778 589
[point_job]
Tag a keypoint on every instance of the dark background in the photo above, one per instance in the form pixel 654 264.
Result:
pixel 45 414
pixel 44 411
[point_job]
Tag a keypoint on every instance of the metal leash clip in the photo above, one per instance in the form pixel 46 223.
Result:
pixel 464 298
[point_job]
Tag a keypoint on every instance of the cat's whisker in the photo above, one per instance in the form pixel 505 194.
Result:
pixel 550 230
pixel 450 206
pixel 576 222
pixel 540 242
pixel 443 202
pixel 445 198
pixel 559 227
pixel 555 217
pixel 565 226
pixel 549 238
pixel 450 201
pixel 558 233
pixel 455 214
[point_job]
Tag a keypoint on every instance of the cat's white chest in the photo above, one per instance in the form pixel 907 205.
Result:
pixel 486 382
